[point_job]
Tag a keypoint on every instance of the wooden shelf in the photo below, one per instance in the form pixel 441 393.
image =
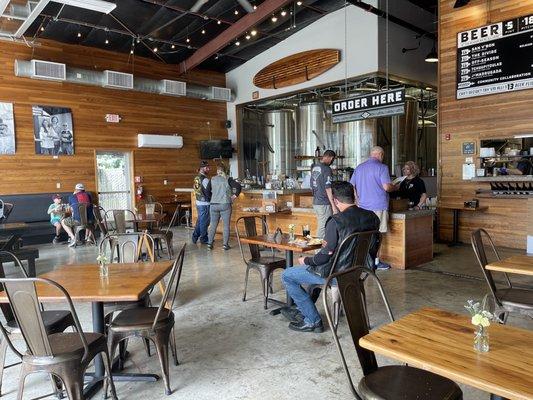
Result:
pixel 503 178
pixel 303 158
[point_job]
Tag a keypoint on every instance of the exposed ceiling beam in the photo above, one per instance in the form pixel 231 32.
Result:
pixel 264 10
pixel 31 18
pixel 398 21
pixel 184 11
pixel 3 5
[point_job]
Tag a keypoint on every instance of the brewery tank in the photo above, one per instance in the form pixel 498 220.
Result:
pixel 279 146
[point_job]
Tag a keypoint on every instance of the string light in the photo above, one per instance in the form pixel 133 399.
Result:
pixel 155 49
pixel 283 13
pixel 253 32
pixel 173 46
pixel 255 7
pixel 274 18
pixel 237 43
pixel 236 12
pixel 131 51
pixel 107 41
pixel 219 22
pixel 248 37
pixel 203 31
pixel 299 3
pixel 42 28
pixel 188 40
pixel 79 34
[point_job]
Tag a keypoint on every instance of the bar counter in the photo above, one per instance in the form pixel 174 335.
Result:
pixel 408 243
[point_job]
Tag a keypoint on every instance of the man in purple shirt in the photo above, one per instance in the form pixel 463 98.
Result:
pixel 372 184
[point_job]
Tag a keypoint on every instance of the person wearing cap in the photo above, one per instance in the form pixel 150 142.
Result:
pixel 56 212
pixel 79 196
pixel 203 198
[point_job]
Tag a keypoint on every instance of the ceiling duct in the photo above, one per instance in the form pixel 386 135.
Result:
pixel 118 80
pixel 25 69
pixel 174 88
pixel 48 70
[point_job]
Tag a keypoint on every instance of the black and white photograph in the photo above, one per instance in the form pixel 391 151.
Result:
pixel 7 129
pixel 52 127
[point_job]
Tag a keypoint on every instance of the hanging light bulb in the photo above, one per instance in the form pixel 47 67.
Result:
pixel 131 51
pixel 248 37
pixel 255 7
pixel 42 28
pixel 283 13
pixel 155 49
pixel 299 3
pixel 173 46
pixel 203 31
pixel 236 12
pixel 188 40
pixel 237 43
pixel 107 41
pixel 253 32
pixel 219 22
pixel 274 18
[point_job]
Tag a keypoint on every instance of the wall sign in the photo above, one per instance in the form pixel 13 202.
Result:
pixel 495 58
pixel 113 118
pixel 374 105
pixel 469 147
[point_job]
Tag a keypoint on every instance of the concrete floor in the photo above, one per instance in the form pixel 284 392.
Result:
pixel 234 350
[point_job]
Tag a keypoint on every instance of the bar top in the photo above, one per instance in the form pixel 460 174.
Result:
pixel 410 214
pixel 184 190
pixel 280 191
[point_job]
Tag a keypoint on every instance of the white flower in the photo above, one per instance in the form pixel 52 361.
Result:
pixel 480 319
pixel 102 258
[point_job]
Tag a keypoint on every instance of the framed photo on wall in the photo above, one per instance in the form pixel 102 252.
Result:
pixel 7 129
pixel 53 130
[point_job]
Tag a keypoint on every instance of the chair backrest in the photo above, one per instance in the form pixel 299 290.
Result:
pixel 167 302
pixel 173 219
pixel 82 212
pixel 24 301
pixel 121 219
pixel 350 284
pixel 129 245
pixel 479 239
pixel 250 229
pixel 150 198
pixel 7 208
pixel 354 250
pixel 99 216
pixel 21 273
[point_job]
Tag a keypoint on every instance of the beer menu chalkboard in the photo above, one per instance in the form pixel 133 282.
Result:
pixel 495 58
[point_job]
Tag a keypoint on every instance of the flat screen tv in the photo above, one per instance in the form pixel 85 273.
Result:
pixel 210 149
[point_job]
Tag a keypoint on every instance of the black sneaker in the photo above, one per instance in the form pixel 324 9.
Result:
pixel 304 327
pixel 226 247
pixel 56 240
pixel 292 314
pixel 209 246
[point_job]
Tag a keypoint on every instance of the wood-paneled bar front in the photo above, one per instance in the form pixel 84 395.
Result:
pixel 474 119
pixel 25 172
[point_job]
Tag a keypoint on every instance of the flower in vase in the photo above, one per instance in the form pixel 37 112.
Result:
pixel 102 259
pixel 480 319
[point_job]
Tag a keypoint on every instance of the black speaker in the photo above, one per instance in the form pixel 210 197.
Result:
pixel 227 124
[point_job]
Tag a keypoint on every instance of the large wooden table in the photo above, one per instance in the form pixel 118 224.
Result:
pixel 521 264
pixel 442 342
pixel 282 244
pixel 126 282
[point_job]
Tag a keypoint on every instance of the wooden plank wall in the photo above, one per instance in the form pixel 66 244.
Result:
pixel 500 115
pixel 26 172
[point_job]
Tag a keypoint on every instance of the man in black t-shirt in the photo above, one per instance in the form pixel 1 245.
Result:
pixel 321 186
pixel 314 270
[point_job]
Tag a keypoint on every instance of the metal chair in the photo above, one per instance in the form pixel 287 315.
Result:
pixel 7 209
pixel 166 235
pixel 391 382
pixel 258 262
pixel 357 247
pixel 100 218
pixel 84 222
pixel 55 321
pixel 153 323
pixel 121 219
pixel 507 299
pixel 65 355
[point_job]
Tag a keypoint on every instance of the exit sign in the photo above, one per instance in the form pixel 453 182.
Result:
pixel 112 118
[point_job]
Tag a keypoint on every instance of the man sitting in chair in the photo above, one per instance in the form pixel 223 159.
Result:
pixel 314 270
pixel 70 223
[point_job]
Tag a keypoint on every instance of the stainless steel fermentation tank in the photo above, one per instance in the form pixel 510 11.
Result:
pixel 278 149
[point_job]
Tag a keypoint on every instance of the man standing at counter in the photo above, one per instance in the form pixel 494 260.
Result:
pixel 372 184
pixel 203 198
pixel 321 186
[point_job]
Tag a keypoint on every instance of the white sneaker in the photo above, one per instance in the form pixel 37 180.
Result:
pixel 72 243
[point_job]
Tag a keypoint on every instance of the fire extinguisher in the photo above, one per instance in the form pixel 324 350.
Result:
pixel 139 194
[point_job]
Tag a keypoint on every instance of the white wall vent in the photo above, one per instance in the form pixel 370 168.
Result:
pixel 159 141
pixel 221 94
pixel 48 70
pixel 173 88
pixel 118 80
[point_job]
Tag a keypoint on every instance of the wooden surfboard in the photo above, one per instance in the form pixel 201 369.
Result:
pixel 297 68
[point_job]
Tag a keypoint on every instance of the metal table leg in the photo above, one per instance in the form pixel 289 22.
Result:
pixel 289 256
pixel 455 237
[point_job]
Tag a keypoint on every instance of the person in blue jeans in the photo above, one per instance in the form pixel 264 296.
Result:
pixel 314 270
pixel 203 197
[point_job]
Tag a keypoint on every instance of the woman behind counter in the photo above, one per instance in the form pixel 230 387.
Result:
pixel 412 187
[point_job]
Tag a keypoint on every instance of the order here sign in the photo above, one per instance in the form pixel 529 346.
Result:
pixel 374 105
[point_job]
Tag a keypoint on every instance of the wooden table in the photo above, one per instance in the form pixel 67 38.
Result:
pixel 521 264
pixel 283 244
pixel 13 226
pixel 456 210
pixel 442 342
pixel 126 282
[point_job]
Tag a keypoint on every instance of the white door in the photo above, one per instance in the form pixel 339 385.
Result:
pixel 113 171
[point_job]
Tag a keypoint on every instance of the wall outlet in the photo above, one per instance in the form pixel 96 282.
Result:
pixel 58 185
pixel 165 182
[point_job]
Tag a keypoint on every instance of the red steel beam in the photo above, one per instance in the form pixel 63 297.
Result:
pixel 264 10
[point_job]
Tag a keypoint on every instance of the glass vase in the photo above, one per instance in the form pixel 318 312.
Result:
pixel 292 236
pixel 104 270
pixel 481 340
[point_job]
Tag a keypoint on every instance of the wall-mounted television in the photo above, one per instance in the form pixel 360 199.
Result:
pixel 210 149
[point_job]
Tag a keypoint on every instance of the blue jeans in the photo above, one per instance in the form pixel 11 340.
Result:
pixel 292 279
pixel 200 230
